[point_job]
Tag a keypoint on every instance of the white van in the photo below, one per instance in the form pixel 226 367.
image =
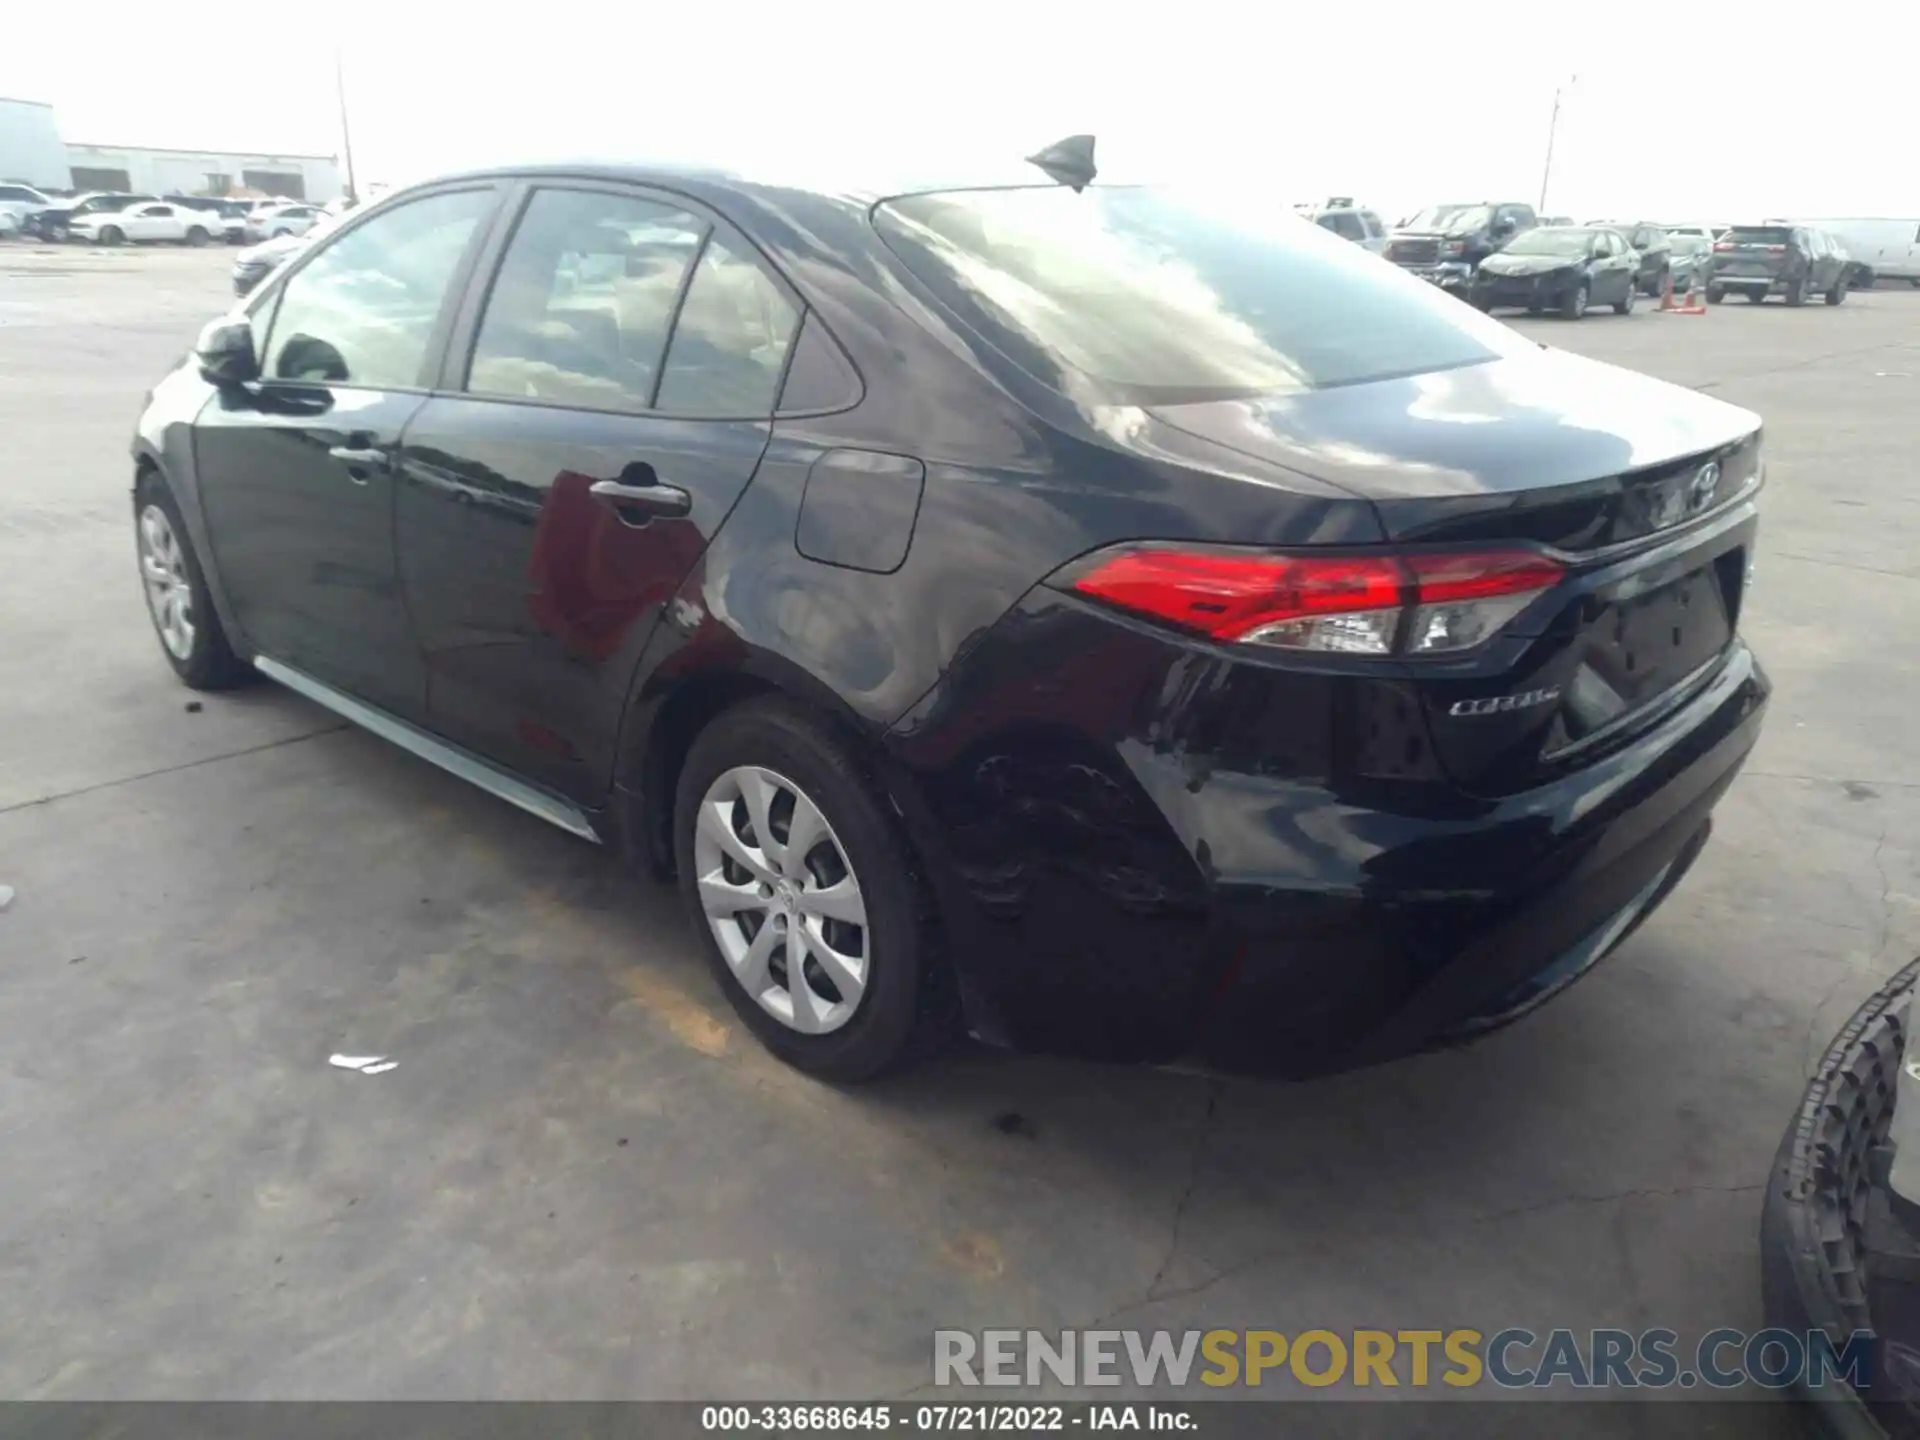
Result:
pixel 1890 248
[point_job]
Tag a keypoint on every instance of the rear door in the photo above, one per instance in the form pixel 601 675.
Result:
pixel 606 400
pixel 296 472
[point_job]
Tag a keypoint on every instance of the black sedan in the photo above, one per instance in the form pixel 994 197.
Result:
pixel 1559 268
pixel 1121 621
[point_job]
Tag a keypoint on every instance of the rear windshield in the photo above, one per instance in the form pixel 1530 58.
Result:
pixel 1760 235
pixel 1165 296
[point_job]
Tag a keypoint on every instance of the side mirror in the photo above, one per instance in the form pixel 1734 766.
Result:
pixel 225 352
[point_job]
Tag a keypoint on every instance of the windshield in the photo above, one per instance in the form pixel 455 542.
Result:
pixel 1167 296
pixel 1551 242
pixel 1452 219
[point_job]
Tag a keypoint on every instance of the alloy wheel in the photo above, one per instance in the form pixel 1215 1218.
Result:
pixel 163 572
pixel 782 900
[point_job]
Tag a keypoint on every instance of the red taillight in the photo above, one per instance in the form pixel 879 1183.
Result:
pixel 1722 245
pixel 1421 603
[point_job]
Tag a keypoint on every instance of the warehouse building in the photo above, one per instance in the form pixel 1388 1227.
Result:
pixel 202 172
pixel 32 152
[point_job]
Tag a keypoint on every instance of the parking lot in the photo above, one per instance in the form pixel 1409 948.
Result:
pixel 583 1180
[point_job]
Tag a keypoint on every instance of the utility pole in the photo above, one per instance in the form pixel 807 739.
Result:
pixel 346 135
pixel 1546 171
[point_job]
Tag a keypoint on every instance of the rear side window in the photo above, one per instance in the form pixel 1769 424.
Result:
pixel 579 312
pixel 730 343
pixel 1165 296
pixel 362 311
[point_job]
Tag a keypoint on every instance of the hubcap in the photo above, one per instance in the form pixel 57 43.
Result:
pixel 163 571
pixel 782 900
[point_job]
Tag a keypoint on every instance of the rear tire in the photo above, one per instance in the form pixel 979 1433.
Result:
pixel 1797 291
pixel 799 760
pixel 197 237
pixel 111 235
pixel 1715 294
pixel 185 621
pixel 1624 305
pixel 1838 292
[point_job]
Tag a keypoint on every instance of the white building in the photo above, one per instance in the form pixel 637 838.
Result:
pixel 31 152
pixel 202 172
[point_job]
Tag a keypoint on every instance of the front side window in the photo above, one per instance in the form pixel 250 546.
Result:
pixel 1164 295
pixel 579 312
pixel 730 343
pixel 362 310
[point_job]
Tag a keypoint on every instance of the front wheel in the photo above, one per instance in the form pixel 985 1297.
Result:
pixel 809 906
pixel 176 591
pixel 1575 305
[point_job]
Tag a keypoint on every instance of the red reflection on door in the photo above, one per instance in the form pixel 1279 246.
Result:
pixel 592 574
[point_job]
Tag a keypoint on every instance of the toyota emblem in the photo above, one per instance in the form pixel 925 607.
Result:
pixel 1700 492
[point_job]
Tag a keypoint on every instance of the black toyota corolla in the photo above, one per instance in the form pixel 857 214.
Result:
pixel 1132 622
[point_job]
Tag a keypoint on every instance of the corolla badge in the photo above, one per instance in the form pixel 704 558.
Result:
pixel 1502 704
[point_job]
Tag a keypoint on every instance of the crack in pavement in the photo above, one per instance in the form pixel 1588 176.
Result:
pixel 171 769
pixel 1194 1166
pixel 1806 364
pixel 1843 565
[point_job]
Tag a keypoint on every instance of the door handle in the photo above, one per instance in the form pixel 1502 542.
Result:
pixel 665 500
pixel 355 458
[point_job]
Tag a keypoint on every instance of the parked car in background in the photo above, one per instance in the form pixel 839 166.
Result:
pixel 1349 222
pixel 17 202
pixel 227 217
pixel 1650 243
pixel 256 262
pixel 149 223
pixel 56 221
pixel 1562 268
pixel 1444 243
pixel 1777 258
pixel 1361 691
pixel 1561 220
pixel 294 219
pixel 1709 233
pixel 1690 260
pixel 1879 249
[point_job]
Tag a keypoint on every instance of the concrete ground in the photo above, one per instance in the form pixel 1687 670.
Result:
pixel 584 1180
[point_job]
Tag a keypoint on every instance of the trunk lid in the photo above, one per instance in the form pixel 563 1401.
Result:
pixel 1758 252
pixel 1642 490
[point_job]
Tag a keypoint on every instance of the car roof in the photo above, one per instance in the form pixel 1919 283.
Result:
pixel 863 188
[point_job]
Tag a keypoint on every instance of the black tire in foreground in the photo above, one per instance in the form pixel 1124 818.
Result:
pixel 1575 305
pixel 1837 293
pixel 1813 1220
pixel 175 588
pixel 898 1013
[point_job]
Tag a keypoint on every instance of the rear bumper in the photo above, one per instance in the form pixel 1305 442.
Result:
pixel 1139 856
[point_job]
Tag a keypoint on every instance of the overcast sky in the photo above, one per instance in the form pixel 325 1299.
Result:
pixel 1396 104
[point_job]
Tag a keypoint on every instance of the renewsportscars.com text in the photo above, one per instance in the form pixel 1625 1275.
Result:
pixel 1513 1358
